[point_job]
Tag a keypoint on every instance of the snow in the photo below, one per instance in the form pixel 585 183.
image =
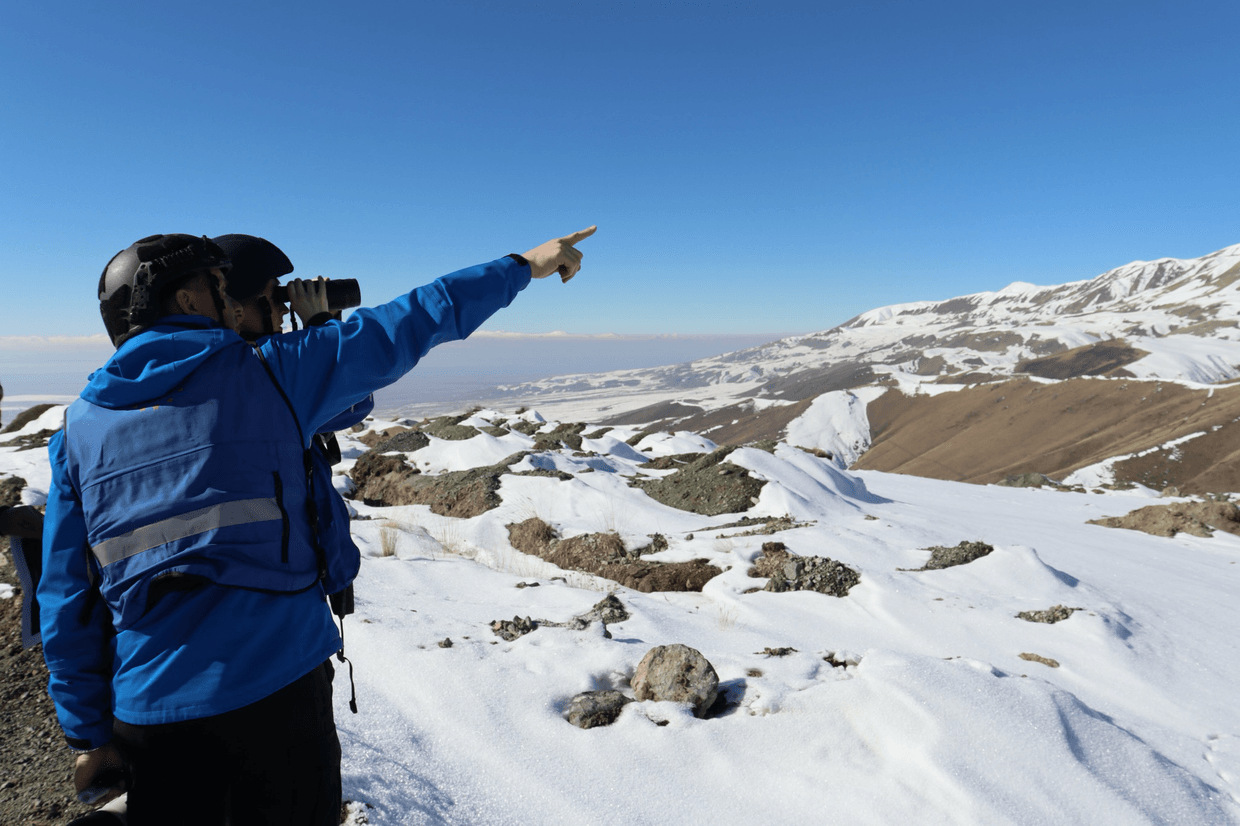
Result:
pixel 935 720
pixel 837 423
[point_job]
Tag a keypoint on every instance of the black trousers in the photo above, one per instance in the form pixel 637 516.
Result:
pixel 275 763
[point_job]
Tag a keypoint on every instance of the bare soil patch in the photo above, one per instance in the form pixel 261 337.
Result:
pixel 1100 359
pixel 983 434
pixel 1196 518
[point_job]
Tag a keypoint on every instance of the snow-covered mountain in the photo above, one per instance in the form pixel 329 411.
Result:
pixel 1165 321
pixel 1178 317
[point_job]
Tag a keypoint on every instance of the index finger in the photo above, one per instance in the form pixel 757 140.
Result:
pixel 580 235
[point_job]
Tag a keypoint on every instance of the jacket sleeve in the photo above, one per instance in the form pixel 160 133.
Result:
pixel 351 416
pixel 328 368
pixel 77 633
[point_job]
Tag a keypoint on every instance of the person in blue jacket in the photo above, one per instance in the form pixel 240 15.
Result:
pixel 183 614
pixel 256 266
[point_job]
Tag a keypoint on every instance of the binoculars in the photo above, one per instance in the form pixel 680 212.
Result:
pixel 342 293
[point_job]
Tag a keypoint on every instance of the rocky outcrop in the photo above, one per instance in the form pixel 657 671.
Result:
pixel 787 572
pixel 385 480
pixel 605 555
pixel 707 485
pixel 964 553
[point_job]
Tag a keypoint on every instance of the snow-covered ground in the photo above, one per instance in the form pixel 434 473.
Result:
pixel 936 720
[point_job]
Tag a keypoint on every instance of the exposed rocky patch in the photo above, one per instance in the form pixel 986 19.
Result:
pixel 1037 658
pixel 673 462
pixel 373 437
pixel 510 630
pixel 528 428
pixel 788 572
pixel 387 480
pixel 1195 518
pixel 563 436
pixel 449 428
pixel 1052 615
pixel 605 555
pixel 406 442
pixel 944 557
pixel 707 485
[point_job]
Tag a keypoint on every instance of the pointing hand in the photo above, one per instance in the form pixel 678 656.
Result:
pixel 558 255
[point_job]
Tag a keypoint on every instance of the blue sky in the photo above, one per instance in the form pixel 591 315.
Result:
pixel 753 167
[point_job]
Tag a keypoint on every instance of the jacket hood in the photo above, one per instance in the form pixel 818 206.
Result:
pixel 156 361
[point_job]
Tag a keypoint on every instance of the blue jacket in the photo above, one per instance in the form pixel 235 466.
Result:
pixel 209 650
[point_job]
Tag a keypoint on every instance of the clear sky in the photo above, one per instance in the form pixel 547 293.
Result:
pixel 753 167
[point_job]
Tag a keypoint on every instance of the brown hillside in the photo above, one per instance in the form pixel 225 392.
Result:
pixel 982 434
pixel 1105 358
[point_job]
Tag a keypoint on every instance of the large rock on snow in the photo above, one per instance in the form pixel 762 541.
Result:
pixel 677 673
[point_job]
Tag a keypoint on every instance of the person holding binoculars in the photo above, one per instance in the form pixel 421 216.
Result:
pixel 184 618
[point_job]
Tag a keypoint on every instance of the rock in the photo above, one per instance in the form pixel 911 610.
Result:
pixel 1034 658
pixel 11 491
pixel 677 673
pixel 814 573
pixel 1054 614
pixel 608 610
pixel 596 708
pixel 774 555
pixel 943 557
pixel 510 630
pixel 446 642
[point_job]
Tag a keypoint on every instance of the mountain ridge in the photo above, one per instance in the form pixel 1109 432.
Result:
pixel 1162 321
